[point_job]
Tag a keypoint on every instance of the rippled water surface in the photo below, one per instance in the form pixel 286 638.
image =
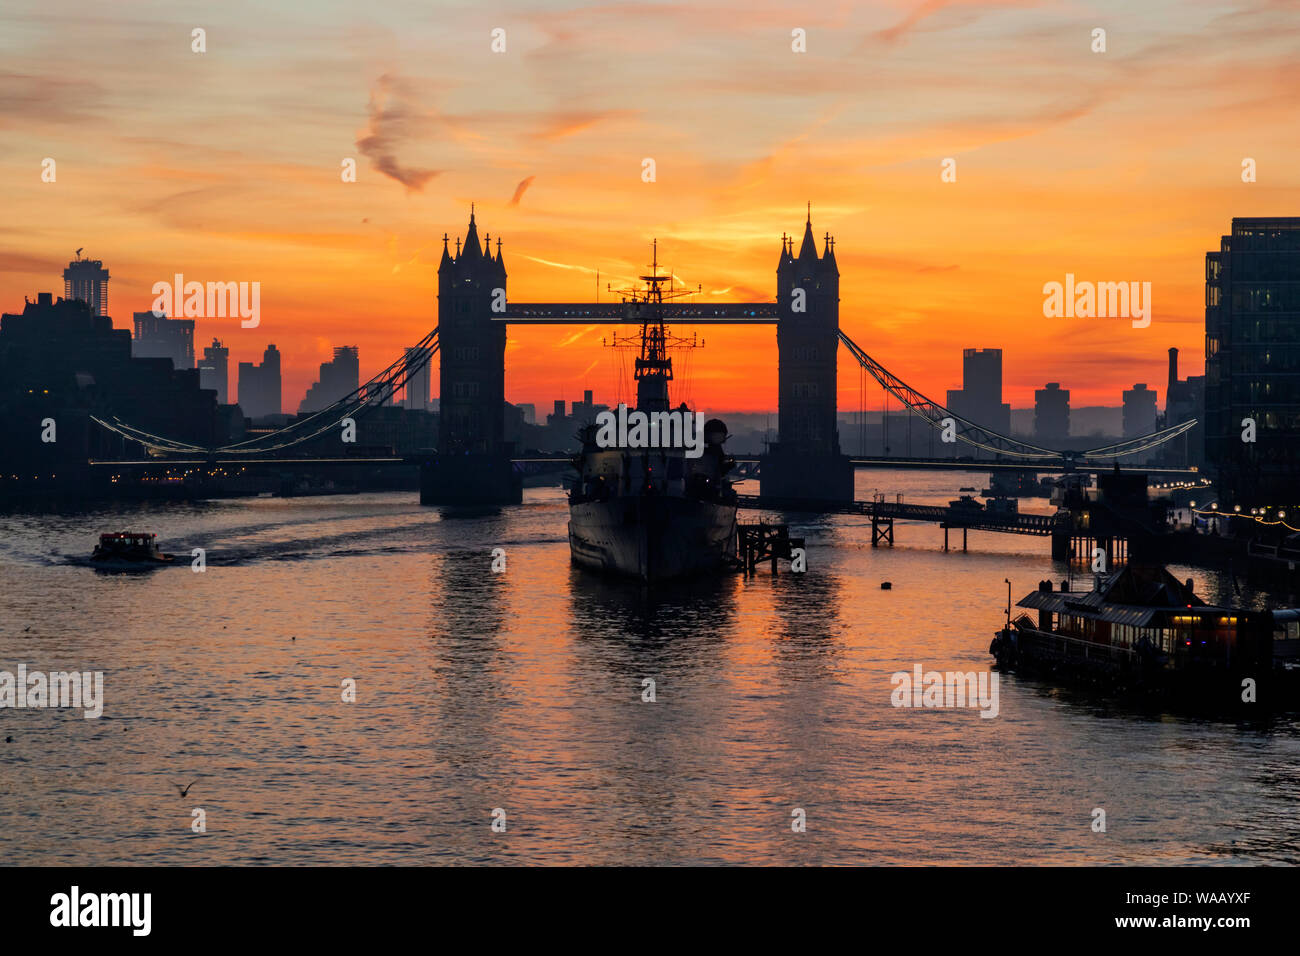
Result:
pixel 523 691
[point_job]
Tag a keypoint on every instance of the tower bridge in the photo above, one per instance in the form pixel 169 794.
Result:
pixel 806 462
pixel 473 464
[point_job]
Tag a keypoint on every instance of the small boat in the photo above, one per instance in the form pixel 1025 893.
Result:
pixel 128 549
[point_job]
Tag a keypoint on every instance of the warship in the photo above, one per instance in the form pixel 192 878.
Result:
pixel 653 509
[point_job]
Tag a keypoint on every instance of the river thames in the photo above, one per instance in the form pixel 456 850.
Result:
pixel 522 691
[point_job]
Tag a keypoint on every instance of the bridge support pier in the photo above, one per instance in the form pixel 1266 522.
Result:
pixel 882 529
pixel 823 479
pixel 470 480
pixel 1061 540
pixel 964 529
pixel 1069 544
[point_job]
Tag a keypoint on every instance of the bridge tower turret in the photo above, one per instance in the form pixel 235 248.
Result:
pixel 472 348
pixel 806 461
pixel 473 461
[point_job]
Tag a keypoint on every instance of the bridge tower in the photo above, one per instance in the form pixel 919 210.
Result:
pixel 473 461
pixel 806 462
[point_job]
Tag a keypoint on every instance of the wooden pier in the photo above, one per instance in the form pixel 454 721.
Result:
pixel 883 514
pixel 764 541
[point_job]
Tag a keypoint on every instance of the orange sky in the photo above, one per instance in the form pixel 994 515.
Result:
pixel 224 165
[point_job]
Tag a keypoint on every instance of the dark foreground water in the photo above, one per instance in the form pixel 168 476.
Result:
pixel 522 691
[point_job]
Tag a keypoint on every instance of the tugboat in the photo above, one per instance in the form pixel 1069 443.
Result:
pixel 653 513
pixel 128 549
pixel 1143 631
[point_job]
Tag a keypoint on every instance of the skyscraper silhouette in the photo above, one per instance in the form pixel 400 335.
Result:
pixel 1051 413
pixel 87 280
pixel 214 370
pixel 163 337
pixel 259 385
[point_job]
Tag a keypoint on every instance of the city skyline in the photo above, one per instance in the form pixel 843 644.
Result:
pixel 1067 161
pixel 148 321
pixel 629 434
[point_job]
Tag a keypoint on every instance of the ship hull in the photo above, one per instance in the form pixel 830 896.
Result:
pixel 652 538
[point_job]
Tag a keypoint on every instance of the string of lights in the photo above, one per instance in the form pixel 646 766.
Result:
pixel 1255 514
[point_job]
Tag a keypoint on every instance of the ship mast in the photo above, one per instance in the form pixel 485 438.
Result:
pixel 654 367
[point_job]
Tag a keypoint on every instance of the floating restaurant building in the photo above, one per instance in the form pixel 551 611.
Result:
pixel 1140 628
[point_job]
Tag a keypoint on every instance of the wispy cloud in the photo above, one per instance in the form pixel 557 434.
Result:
pixel 566 123
pixel 558 265
pixel 395 119
pixel 521 189
pixel 574 337
pixel 28 98
pixel 928 8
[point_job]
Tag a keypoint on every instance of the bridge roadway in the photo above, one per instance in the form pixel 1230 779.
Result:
pixel 948 464
pixel 972 519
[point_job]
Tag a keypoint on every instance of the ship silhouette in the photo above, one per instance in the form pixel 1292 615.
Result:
pixel 652 513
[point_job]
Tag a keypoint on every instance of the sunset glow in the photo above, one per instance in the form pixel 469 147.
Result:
pixel 1116 166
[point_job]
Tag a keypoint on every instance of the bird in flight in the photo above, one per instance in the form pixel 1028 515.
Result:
pixel 184 791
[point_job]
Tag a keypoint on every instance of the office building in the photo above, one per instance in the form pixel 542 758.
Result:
pixel 87 280
pixel 259 385
pixel 339 378
pixel 1051 413
pixel 1252 364
pixel 1139 411
pixel 416 393
pixel 979 400
pixel 160 337
pixel 214 370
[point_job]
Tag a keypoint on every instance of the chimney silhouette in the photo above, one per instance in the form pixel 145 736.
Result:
pixel 1173 375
